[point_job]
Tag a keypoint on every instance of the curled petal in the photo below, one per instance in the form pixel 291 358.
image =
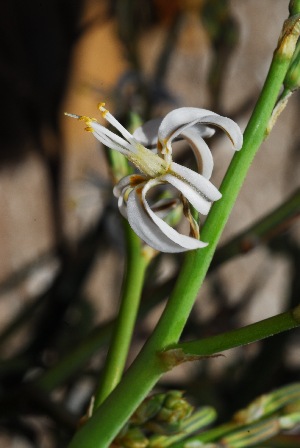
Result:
pixel 176 121
pixel 229 126
pixel 152 229
pixel 119 192
pixel 130 181
pixel 147 134
pixel 121 185
pixel 179 118
pixel 201 204
pixel 198 183
pixel 122 189
pixel 122 205
pixel 200 149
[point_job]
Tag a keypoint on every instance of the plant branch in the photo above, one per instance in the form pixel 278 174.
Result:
pixel 178 353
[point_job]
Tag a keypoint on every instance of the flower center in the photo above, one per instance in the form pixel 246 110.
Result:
pixel 148 163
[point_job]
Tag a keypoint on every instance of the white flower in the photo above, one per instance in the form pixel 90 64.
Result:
pixel 157 167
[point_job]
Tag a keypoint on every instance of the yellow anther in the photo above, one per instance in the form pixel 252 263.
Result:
pixel 89 129
pixel 87 120
pixel 102 109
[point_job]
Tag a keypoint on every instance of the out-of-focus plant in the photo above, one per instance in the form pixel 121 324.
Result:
pixel 121 413
pixel 167 420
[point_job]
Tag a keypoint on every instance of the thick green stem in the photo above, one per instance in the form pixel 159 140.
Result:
pixel 102 428
pixel 124 326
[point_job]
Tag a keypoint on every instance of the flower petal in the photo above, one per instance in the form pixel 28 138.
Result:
pixel 195 181
pixel 122 189
pixel 147 134
pixel 130 181
pixel 201 204
pixel 178 118
pixel 176 121
pixel 153 230
pixel 200 149
pixel 227 125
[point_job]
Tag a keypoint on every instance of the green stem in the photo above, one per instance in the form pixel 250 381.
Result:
pixel 109 418
pixel 122 334
pixel 236 338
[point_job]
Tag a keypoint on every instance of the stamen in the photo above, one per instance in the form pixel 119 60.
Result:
pixel 87 120
pixel 148 163
pixel 102 109
pixel 114 122
pixel 194 226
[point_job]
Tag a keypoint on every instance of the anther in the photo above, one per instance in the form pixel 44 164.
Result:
pixel 102 109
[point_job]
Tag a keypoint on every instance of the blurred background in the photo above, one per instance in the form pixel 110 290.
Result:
pixel 62 250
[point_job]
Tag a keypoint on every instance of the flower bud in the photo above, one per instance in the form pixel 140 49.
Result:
pixel 172 415
pixel 133 438
pixel 148 409
pixel 198 420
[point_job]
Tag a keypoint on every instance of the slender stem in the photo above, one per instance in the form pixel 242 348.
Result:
pixel 241 336
pixel 109 418
pixel 123 329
